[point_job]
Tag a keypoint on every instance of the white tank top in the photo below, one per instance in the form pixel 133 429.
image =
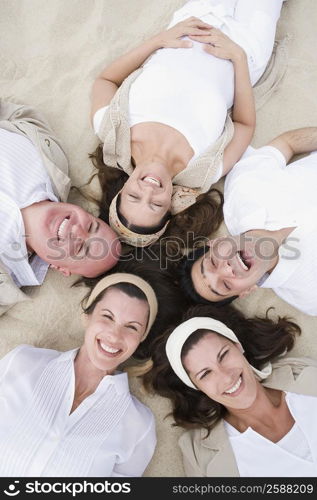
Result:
pixel 187 89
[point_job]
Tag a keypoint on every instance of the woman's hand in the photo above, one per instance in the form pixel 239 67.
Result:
pixel 172 38
pixel 220 45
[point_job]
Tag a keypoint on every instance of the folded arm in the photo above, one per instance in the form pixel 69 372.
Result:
pixel 243 114
pixel 243 111
pixel 107 83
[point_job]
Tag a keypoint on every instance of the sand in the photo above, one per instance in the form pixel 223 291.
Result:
pixel 50 53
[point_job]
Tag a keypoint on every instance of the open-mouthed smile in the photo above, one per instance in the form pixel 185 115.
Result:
pixel 235 389
pixel 108 350
pixel 154 181
pixel 62 229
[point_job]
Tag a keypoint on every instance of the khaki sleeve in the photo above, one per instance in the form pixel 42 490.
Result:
pixel 190 459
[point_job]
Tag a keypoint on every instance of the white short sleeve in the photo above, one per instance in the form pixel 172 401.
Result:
pixel 252 191
pixel 98 117
pixel 142 452
pixel 259 154
pixel 272 152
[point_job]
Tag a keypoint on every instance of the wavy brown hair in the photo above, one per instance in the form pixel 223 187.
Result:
pixel 199 220
pixel 262 338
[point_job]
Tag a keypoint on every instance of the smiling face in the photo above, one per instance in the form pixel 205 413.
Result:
pixel 146 196
pixel 218 368
pixel 233 266
pixel 70 239
pixel 114 329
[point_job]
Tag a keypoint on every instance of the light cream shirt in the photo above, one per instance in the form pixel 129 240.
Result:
pixel 24 181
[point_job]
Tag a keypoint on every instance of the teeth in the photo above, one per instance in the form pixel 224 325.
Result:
pixel 61 228
pixel 152 180
pixel 242 263
pixel 235 387
pixel 109 349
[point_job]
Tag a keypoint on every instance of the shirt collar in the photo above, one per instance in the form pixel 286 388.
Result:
pixel 15 259
pixel 119 379
pixel 14 255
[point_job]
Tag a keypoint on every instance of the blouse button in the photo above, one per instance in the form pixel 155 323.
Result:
pixel 48 142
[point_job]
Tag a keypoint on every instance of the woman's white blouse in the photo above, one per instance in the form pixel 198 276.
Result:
pixel 295 455
pixel 109 434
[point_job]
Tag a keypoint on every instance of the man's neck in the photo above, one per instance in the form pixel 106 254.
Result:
pixel 271 242
pixel 279 235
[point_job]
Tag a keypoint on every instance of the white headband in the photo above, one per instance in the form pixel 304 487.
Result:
pixel 181 333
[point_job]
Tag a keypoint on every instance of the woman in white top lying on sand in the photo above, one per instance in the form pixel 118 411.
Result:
pixel 71 413
pixel 163 120
pixel 245 416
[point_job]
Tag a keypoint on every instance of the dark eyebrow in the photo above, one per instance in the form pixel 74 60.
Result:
pixel 218 359
pixel 203 275
pixel 196 374
pixel 105 309
pixel 108 310
pixel 220 352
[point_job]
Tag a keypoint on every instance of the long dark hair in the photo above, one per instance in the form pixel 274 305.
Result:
pixel 171 301
pixel 199 220
pixel 263 339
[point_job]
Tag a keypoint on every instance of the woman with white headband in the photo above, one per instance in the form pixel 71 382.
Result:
pixel 71 413
pixel 161 112
pixel 249 412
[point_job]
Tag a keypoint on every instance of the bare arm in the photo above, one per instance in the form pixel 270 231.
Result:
pixel 243 112
pixel 293 142
pixel 107 83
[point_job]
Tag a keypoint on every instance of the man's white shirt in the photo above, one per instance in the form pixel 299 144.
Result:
pixel 261 192
pixel 24 181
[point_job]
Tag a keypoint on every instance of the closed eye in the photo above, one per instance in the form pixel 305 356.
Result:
pixel 223 355
pixel 81 246
pixel 132 327
pixel 204 374
pixel 133 197
pixel 107 316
